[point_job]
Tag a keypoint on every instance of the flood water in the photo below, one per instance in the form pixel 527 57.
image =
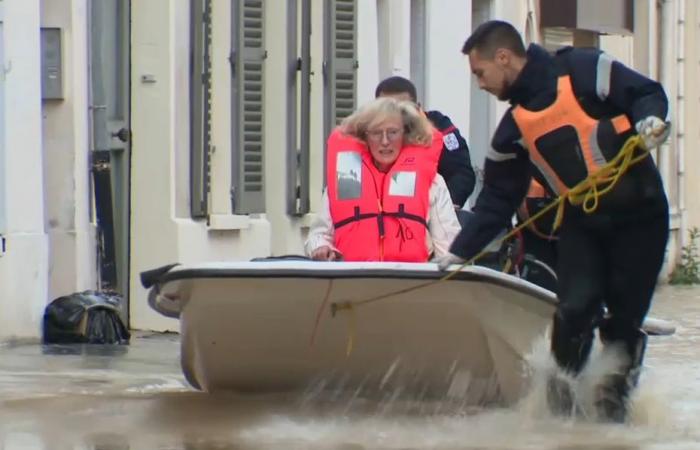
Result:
pixel 135 397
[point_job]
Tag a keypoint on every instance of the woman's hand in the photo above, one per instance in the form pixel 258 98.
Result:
pixel 324 253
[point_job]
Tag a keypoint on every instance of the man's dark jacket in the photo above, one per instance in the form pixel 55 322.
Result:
pixel 604 88
pixel 455 164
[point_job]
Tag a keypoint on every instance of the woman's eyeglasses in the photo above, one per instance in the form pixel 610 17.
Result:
pixel 378 135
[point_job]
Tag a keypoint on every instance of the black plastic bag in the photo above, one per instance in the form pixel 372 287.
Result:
pixel 88 317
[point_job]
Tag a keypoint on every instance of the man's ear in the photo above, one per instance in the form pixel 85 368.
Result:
pixel 502 56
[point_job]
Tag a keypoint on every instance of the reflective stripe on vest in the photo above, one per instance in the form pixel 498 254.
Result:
pixel 583 156
pixel 380 216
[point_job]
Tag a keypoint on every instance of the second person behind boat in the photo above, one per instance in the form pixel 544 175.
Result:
pixel 384 200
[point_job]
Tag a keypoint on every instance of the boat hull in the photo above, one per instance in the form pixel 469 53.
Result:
pixel 270 327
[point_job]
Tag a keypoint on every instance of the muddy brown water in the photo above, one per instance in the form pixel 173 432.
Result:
pixel 135 397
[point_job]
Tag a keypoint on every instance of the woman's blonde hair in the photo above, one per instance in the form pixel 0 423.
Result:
pixel 416 127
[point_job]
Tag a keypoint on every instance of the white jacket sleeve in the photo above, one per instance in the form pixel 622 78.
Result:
pixel 322 230
pixel 443 225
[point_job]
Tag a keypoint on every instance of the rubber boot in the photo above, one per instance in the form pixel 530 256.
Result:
pixel 570 350
pixel 612 395
pixel 560 398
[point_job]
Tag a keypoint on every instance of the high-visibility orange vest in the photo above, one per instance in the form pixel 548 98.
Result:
pixel 380 216
pixel 564 142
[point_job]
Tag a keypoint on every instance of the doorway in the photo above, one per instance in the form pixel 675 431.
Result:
pixel 109 67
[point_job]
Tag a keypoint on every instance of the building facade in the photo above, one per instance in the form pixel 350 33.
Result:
pixel 135 134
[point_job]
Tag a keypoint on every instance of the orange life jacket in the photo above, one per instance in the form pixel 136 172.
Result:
pixel 565 143
pixel 380 216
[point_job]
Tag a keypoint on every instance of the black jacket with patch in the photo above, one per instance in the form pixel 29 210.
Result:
pixel 455 164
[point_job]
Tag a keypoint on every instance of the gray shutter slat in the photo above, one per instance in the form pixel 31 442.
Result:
pixel 345 57
pixel 248 138
pixel 340 61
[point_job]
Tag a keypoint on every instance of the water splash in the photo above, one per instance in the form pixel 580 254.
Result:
pixel 645 404
pixel 402 389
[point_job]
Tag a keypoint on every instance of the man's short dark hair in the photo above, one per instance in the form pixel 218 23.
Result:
pixel 396 85
pixel 492 35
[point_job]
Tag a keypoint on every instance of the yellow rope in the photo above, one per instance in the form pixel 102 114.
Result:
pixel 351 331
pixel 584 194
pixel 587 192
pixel 324 302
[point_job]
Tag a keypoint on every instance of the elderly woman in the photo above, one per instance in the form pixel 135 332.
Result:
pixel 384 200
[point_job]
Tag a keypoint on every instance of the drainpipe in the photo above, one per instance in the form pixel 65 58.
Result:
pixel 680 119
pixel 668 80
pixel 667 77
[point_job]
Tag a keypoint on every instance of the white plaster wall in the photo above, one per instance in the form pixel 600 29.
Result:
pixel 486 110
pixel 287 232
pixel 50 184
pixel 619 47
pixel 516 14
pixel 153 230
pixel 393 38
pixel 179 113
pixel 447 75
pixel 24 266
pixel 318 140
pixel 161 231
pixel 221 109
pixel 368 75
pixel 482 120
pixel 66 148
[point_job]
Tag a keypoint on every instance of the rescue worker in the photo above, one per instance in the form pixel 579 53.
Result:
pixel 385 200
pixel 455 164
pixel 569 114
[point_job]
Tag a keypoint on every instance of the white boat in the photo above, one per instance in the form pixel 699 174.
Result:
pixel 268 326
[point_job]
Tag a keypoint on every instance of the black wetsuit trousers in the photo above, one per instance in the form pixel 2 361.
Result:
pixel 607 260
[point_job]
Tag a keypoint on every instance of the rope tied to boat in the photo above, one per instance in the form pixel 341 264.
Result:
pixel 585 194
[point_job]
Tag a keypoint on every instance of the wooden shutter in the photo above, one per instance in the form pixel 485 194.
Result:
pixel 340 65
pixel 200 111
pixel 247 89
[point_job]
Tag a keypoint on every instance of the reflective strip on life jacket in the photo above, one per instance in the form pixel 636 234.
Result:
pixel 564 112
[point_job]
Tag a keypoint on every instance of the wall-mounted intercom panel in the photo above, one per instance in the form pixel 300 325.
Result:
pixel 51 64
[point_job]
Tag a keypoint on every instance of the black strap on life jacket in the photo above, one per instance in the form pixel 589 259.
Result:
pixel 400 214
